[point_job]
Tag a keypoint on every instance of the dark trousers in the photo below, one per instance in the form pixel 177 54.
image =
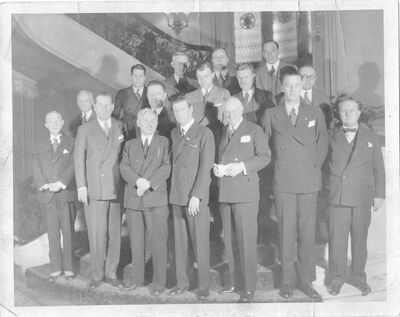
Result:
pixel 243 231
pixel 103 218
pixel 154 221
pixel 198 227
pixel 58 217
pixel 296 221
pixel 342 221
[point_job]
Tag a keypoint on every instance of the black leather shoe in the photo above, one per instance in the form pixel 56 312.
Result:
pixel 364 288
pixel 286 291
pixel 307 288
pixel 246 297
pixel 114 282
pixel 227 290
pixel 177 291
pixel 335 287
pixel 93 284
pixel 203 295
pixel 157 292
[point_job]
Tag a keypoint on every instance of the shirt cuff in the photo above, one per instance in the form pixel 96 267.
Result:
pixel 82 188
pixel 244 168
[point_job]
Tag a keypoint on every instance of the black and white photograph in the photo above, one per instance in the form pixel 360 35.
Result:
pixel 202 158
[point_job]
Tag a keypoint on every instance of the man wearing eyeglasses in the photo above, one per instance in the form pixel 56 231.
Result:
pixel 311 96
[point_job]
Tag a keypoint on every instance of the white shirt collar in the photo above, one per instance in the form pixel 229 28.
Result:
pixel 303 92
pixel 140 90
pixel 236 126
pixel 103 122
pixel 346 127
pixel 148 137
pixel 187 126
pixel 203 91
pixel 55 137
pixel 176 78
pixel 276 65
pixel 250 92
pixel 158 110
pixel 87 114
pixel 289 108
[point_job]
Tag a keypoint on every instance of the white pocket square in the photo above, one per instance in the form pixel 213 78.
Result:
pixel 121 137
pixel 311 123
pixel 217 104
pixel 245 139
pixel 370 144
pixel 65 151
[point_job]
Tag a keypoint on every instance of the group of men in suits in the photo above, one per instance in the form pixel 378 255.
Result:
pixel 204 143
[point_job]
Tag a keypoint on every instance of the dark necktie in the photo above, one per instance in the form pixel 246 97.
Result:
pixel 138 96
pixel 272 71
pixel 205 96
pixel 231 132
pixel 55 145
pixel 146 147
pixel 220 79
pixel 293 117
pixel 346 130
pixel 84 120
pixel 106 129
pixel 182 133
pixel 246 98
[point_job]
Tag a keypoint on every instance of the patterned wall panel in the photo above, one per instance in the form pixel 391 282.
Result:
pixel 248 37
pixel 285 33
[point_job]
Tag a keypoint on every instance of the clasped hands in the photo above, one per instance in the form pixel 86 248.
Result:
pixel 53 187
pixel 231 169
pixel 142 185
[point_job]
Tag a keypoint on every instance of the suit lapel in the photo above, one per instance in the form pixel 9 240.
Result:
pixel 190 134
pixel 111 139
pixel 358 148
pixel 235 137
pixel 286 124
pixel 151 153
pixel 60 149
pixel 342 141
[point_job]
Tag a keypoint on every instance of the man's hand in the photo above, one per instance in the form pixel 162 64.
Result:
pixel 234 169
pixel 44 187
pixel 194 206
pixel 217 171
pixel 139 192
pixel 378 203
pixel 82 195
pixel 56 187
pixel 143 184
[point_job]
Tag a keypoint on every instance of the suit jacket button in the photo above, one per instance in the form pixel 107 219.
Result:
pixel 282 147
pixel 102 174
pixel 344 177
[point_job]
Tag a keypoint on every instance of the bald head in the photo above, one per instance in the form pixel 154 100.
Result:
pixel 54 122
pixel 233 111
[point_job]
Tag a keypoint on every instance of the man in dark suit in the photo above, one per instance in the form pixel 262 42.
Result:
pixel 85 101
pixel 299 146
pixel 356 182
pixel 267 77
pixel 159 102
pixel 145 167
pixel 97 155
pixel 221 76
pixel 192 157
pixel 311 96
pixel 243 151
pixel 254 100
pixel 207 100
pixel 53 173
pixel 130 100
pixel 179 83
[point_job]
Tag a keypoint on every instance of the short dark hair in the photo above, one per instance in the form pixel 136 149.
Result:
pixel 271 41
pixel 155 83
pixel 342 99
pixel 181 98
pixel 203 66
pixel 105 94
pixel 244 66
pixel 138 66
pixel 288 71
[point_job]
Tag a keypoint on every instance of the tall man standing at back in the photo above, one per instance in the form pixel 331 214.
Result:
pixel 192 161
pixel 299 146
pixel 85 101
pixel 267 77
pixel 97 155
pixel 130 100
pixel 221 76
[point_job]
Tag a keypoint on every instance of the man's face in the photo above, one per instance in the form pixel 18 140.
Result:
pixel 156 95
pixel 204 77
pixel 147 124
pixel 183 113
pixel 349 113
pixel 220 60
pixel 103 107
pixel 308 76
pixel 180 63
pixel 270 52
pixel 292 86
pixel 233 112
pixel 138 78
pixel 54 123
pixel 245 78
pixel 84 101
